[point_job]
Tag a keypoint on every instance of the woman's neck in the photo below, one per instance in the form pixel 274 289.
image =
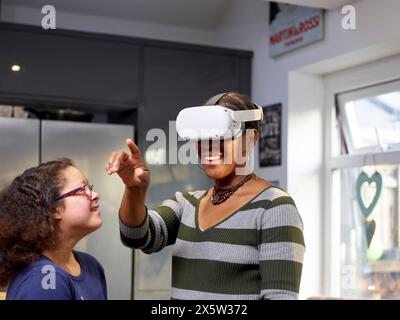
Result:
pixel 228 181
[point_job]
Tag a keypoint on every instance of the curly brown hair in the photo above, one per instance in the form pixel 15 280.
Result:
pixel 27 225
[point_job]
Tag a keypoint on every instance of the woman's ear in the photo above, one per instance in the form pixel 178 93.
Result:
pixel 255 136
pixel 251 139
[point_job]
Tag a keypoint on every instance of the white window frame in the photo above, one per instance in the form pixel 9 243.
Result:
pixel 351 79
pixel 345 97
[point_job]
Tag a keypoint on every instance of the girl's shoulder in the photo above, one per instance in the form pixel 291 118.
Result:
pixel 87 261
pixel 42 279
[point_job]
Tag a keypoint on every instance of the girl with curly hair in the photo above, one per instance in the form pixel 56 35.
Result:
pixel 44 213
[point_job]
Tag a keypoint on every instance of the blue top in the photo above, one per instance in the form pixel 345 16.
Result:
pixel 45 280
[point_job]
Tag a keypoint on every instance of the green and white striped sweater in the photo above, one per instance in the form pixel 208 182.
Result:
pixel 255 253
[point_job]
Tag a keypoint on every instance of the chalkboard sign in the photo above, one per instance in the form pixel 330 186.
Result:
pixel 270 152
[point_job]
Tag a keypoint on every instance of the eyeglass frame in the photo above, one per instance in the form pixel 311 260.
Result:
pixel 76 190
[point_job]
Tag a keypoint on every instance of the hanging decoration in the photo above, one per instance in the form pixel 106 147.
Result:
pixel 366 210
pixel 364 178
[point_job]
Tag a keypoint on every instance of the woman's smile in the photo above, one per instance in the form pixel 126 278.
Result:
pixel 212 159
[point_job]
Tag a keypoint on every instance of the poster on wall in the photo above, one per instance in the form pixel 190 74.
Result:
pixel 270 152
pixel 292 27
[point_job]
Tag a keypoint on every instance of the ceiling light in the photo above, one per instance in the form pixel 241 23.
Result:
pixel 15 67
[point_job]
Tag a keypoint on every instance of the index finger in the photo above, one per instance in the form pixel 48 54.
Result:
pixel 135 151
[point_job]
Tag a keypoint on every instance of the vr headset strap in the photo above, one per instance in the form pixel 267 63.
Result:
pixel 214 100
pixel 247 115
pixel 240 116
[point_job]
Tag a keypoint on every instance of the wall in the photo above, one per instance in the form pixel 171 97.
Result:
pixel 245 26
pixel 305 163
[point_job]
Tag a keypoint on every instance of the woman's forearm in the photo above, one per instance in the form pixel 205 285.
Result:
pixel 132 211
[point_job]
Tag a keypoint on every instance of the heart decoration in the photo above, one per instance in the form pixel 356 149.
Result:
pixel 370 227
pixel 364 178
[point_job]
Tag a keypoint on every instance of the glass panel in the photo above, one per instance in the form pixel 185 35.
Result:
pixel 374 118
pixel 370 117
pixel 369 241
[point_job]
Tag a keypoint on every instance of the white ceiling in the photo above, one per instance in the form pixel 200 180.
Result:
pixel 202 14
pixel 199 14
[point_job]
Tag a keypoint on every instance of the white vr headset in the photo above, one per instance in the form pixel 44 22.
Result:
pixel 214 122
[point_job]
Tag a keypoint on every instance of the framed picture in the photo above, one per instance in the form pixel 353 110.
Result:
pixel 270 152
pixel 293 26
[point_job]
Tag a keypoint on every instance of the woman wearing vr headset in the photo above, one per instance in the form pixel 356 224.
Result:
pixel 240 239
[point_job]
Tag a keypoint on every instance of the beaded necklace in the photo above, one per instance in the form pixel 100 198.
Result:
pixel 221 195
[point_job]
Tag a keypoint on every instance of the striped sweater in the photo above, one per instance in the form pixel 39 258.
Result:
pixel 255 253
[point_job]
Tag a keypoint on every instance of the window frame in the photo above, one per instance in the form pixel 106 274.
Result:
pixel 343 97
pixel 363 76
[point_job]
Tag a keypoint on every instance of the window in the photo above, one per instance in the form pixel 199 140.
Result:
pixel 370 118
pixel 364 192
pixel 369 244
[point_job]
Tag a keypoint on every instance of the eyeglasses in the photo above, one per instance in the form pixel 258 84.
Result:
pixel 85 188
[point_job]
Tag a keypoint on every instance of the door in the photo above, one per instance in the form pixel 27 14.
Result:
pixel 88 145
